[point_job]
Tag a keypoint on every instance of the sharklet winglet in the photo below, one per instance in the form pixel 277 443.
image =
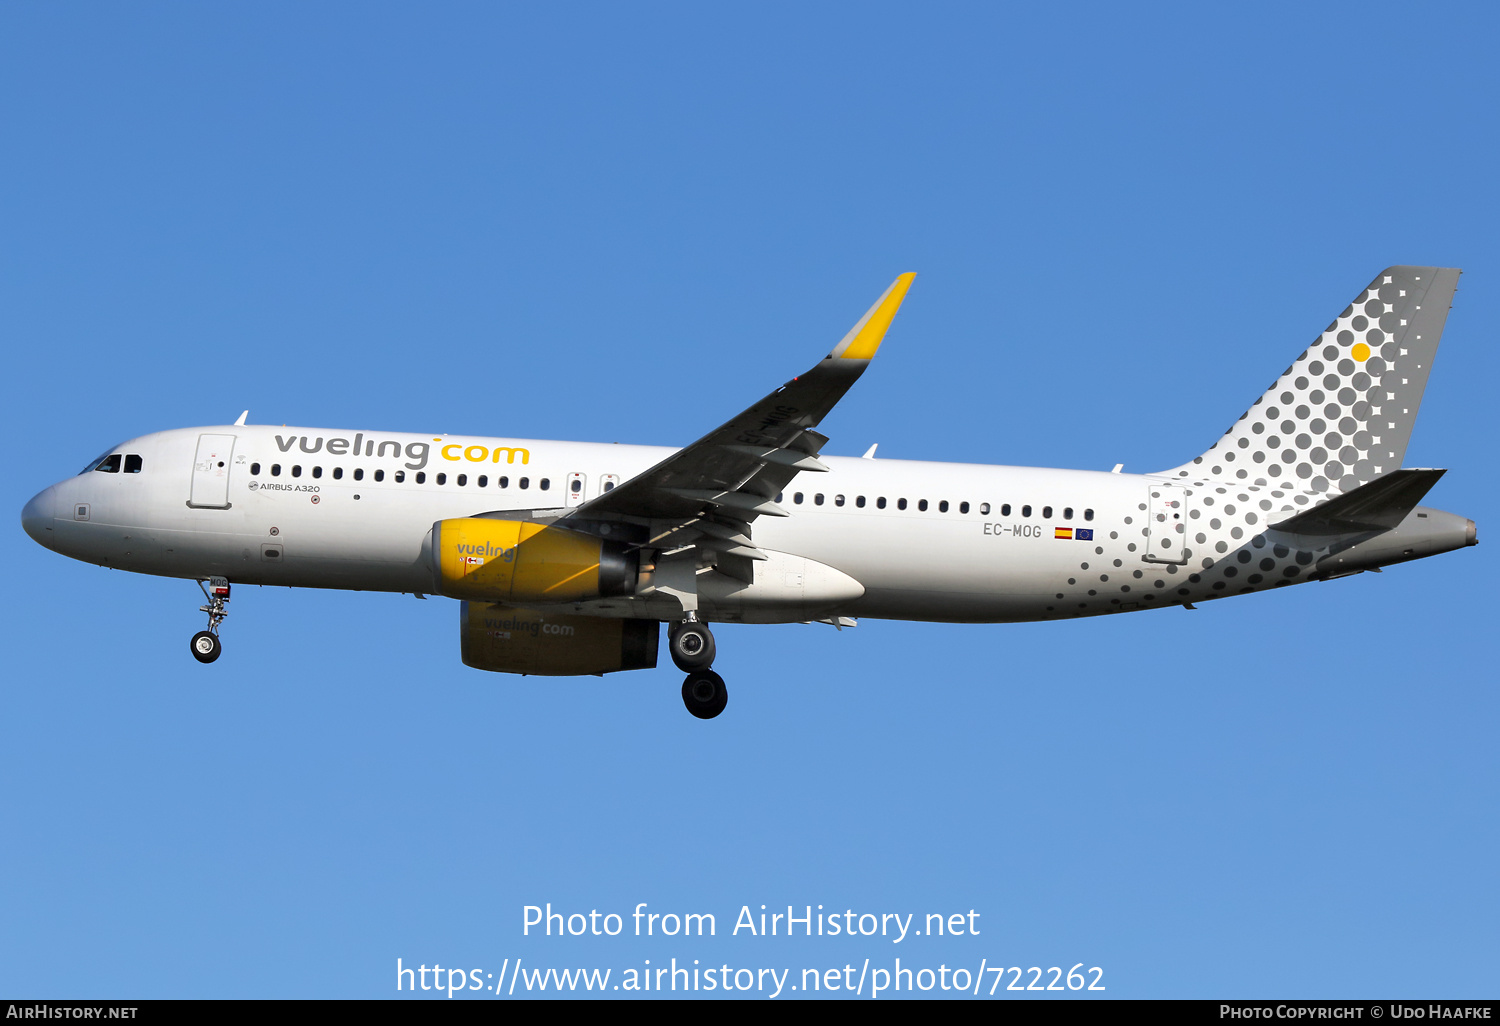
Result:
pixel 865 337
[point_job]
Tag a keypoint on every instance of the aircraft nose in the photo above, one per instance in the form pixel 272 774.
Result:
pixel 36 517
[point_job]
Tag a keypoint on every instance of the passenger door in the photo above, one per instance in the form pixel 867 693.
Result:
pixel 210 488
pixel 1166 514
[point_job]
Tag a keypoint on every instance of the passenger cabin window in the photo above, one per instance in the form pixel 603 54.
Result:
pixel 838 500
pixel 963 507
pixel 1005 510
pixel 132 464
pixel 818 499
pixel 880 502
pixel 276 470
pixel 797 497
pixel 900 503
pixel 442 479
pixel 576 486
pixel 943 506
pixel 609 486
pixel 1067 512
pixel 484 479
pixel 504 482
pixel 254 468
pixel 399 478
pixel 922 505
pixel 109 465
pixel 1088 514
pixel 544 484
pixel 463 479
pixel 859 501
pixel 421 477
pixel 297 470
pixel 338 473
pixel 317 471
pixel 1047 512
pixel 984 509
pixel 1025 511
pixel 525 482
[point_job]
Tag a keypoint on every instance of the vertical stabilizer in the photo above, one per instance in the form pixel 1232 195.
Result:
pixel 1342 414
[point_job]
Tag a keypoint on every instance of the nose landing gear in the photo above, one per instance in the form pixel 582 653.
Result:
pixel 692 647
pixel 205 645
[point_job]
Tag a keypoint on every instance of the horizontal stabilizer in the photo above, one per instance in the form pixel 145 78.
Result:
pixel 1378 506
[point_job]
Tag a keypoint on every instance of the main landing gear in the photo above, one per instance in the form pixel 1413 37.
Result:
pixel 205 644
pixel 692 647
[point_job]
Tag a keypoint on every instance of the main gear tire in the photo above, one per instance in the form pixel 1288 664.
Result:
pixel 692 647
pixel 704 694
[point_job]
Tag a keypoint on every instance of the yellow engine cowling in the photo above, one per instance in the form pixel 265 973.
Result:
pixel 516 561
pixel 520 641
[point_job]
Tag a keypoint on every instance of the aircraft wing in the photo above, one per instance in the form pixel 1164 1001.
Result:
pixel 720 484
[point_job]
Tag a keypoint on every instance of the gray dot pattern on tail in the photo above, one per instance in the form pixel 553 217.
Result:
pixel 1339 417
pixel 1331 422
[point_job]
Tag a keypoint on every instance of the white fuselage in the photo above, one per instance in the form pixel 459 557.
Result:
pixel 927 541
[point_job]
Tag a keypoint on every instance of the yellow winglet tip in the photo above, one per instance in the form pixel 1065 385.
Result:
pixel 864 339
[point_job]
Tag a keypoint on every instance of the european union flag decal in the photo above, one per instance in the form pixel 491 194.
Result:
pixel 1084 534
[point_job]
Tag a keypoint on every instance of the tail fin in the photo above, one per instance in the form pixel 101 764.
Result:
pixel 1342 414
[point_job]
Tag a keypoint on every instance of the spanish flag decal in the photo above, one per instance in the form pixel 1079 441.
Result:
pixel 1063 532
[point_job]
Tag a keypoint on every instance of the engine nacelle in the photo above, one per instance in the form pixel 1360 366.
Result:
pixel 517 561
pixel 513 640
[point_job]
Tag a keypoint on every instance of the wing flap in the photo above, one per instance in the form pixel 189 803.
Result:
pixel 742 501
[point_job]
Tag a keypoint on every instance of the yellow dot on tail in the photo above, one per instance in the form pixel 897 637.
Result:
pixel 1361 352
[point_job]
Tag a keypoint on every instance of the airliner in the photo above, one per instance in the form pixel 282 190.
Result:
pixel 567 557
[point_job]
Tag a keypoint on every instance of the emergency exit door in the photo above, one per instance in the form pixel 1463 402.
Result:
pixel 577 488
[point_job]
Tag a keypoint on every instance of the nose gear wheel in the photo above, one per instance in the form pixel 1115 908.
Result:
pixel 205 645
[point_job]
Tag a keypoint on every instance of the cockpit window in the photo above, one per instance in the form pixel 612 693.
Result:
pixel 132 464
pixel 97 463
pixel 110 464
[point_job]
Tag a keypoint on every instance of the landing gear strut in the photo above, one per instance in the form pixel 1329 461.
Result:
pixel 692 647
pixel 205 644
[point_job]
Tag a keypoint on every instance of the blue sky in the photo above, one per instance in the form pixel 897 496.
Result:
pixel 605 223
